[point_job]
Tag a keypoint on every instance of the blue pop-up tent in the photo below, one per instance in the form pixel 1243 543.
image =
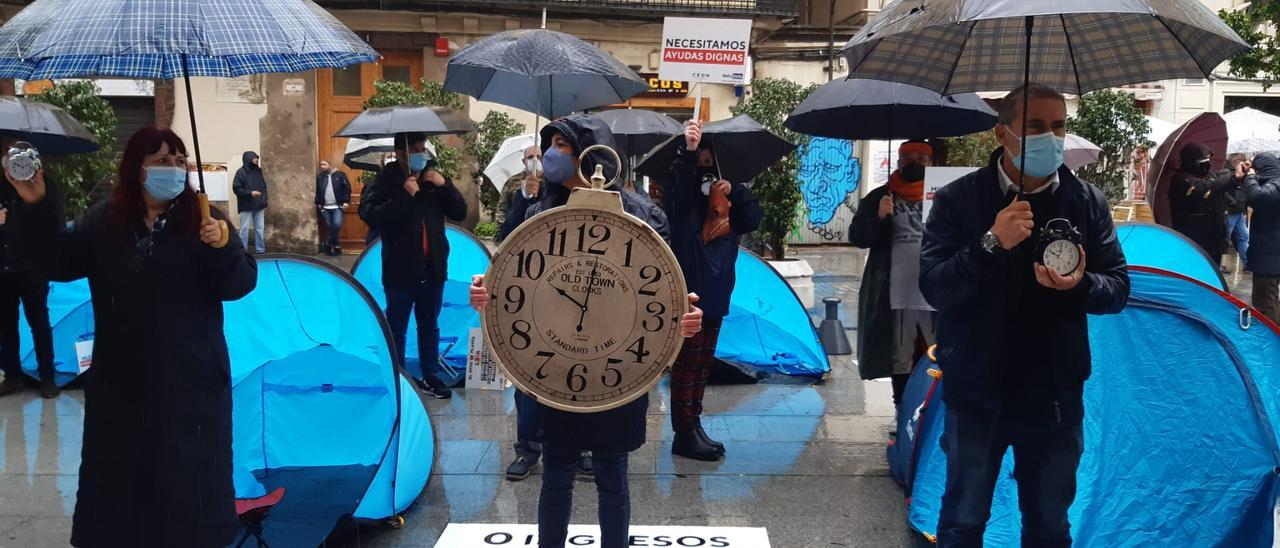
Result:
pixel 467 256
pixel 768 332
pixel 1162 248
pixel 1180 434
pixel 71 316
pixel 320 407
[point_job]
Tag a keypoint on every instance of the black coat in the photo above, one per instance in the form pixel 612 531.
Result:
pixel 341 187
pixel 875 322
pixel 13 257
pixel 515 213
pixel 400 219
pixel 248 179
pixel 1264 234
pixel 709 267
pixel 982 297
pixel 156 466
pixel 1199 210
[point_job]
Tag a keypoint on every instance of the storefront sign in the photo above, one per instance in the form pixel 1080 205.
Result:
pixel 664 88
pixel 473 535
pixel 712 51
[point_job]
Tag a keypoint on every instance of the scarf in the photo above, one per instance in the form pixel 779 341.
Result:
pixel 911 192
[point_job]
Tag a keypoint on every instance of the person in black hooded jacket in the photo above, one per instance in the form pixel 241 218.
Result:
pixel 1196 199
pixel 408 205
pixel 1264 250
pixel 609 435
pixel 250 188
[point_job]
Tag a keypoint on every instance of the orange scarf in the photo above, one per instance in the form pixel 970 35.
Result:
pixel 911 192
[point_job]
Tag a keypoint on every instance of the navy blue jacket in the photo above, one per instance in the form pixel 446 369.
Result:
pixel 708 266
pixel 1264 197
pixel 984 299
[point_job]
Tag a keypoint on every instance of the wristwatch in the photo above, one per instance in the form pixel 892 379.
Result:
pixel 990 243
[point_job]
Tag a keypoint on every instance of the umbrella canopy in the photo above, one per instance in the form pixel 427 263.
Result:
pixel 48 128
pixel 954 46
pixel 367 154
pixel 638 130
pixel 509 160
pixel 1207 128
pixel 541 71
pixel 149 38
pixel 743 149
pixel 1079 152
pixel 876 109
pixel 387 122
pixel 1252 145
pixel 1159 130
pixel 1247 123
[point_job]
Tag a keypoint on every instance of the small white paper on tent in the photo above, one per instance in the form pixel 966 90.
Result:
pixel 84 354
pixel 482 370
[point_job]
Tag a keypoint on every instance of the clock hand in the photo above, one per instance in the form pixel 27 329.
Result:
pixel 591 280
pixel 566 295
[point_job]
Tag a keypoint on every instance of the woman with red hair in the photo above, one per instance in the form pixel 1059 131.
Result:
pixel 156 462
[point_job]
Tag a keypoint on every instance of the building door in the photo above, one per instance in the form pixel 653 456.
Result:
pixel 341 96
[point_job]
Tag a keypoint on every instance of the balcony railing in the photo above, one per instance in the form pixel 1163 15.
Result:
pixel 785 8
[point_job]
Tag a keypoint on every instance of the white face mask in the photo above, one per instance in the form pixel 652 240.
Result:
pixel 533 166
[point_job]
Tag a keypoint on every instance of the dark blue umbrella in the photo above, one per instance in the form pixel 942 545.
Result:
pixel 165 39
pixel 541 71
pixel 49 129
pixel 874 109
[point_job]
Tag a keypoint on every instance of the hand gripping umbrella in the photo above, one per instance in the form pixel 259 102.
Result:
pixel 165 39
pixel 955 46
pixel 743 148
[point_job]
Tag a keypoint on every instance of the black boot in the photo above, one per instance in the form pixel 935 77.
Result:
pixel 690 445
pixel 719 447
pixel 49 389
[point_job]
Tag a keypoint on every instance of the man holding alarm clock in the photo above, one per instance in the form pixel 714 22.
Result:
pixel 1014 257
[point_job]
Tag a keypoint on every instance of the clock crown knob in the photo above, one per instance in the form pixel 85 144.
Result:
pixel 598 180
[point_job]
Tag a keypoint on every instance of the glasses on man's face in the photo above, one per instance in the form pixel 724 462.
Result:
pixel 142 251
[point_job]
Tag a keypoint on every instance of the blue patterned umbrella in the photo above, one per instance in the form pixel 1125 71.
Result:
pixel 165 39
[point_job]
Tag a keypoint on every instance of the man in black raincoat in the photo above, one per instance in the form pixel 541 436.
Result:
pixel 1264 250
pixel 250 188
pixel 609 435
pixel 1197 199
pixel 20 284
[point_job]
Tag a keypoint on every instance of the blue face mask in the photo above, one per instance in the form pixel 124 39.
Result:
pixel 1043 155
pixel 418 161
pixel 557 167
pixel 165 183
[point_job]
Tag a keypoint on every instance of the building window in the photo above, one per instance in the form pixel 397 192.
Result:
pixel 346 81
pixel 397 74
pixel 1193 81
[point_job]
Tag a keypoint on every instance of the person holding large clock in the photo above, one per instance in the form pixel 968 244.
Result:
pixel 408 205
pixel 1013 258
pixel 708 216
pixel 589 310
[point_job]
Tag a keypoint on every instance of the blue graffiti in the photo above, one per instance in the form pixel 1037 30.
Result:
pixel 828 173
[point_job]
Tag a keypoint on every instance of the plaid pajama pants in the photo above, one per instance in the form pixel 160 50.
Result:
pixel 689 375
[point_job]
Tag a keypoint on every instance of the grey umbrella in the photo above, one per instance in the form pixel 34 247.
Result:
pixel 875 109
pixel 49 129
pixel 742 146
pixel 541 71
pixel 386 122
pixel 638 130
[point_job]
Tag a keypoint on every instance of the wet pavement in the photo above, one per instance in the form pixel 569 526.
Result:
pixel 806 462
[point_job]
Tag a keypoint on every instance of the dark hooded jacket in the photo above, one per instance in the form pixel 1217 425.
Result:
pixel 621 429
pixel 1263 191
pixel 12 245
pixel 248 179
pixel 709 267
pixel 1196 202
pixel 1004 340
pixel 401 219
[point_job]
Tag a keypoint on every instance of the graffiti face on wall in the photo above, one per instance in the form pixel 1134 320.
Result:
pixel 828 174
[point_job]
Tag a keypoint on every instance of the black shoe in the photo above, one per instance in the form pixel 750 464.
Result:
pixel 335 251
pixel 324 248
pixel 585 466
pixel 707 439
pixel 11 386
pixel 690 445
pixel 520 468
pixel 49 389
pixel 434 388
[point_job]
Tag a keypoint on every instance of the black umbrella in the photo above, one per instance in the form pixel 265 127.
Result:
pixel 545 72
pixel 955 46
pixel 637 130
pixel 386 122
pixel 49 129
pixel 875 109
pixel 742 146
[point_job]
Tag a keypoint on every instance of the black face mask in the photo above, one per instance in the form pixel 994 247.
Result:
pixel 1201 167
pixel 913 172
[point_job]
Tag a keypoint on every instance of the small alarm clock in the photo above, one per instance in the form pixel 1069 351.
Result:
pixel 23 161
pixel 707 180
pixel 1059 247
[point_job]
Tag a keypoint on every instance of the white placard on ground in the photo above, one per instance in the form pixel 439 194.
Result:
pixel 938 177
pixel 476 535
pixel 482 370
pixel 712 51
pixel 84 354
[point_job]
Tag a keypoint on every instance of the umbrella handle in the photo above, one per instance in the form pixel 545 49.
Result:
pixel 205 215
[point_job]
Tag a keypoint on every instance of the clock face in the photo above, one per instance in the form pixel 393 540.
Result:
pixel 1061 256
pixel 585 308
